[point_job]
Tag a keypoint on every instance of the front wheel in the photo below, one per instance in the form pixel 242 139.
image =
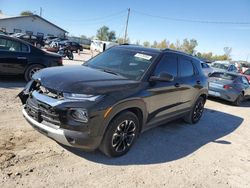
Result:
pixel 196 113
pixel 31 70
pixel 120 135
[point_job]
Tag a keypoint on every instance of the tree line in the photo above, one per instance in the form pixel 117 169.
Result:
pixel 187 45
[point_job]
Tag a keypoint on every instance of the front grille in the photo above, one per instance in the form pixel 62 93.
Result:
pixel 41 112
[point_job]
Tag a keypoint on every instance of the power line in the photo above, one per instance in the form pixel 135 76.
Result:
pixel 100 18
pixel 192 21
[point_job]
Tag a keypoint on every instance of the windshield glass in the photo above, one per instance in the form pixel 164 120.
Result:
pixel 224 76
pixel 128 63
pixel 220 66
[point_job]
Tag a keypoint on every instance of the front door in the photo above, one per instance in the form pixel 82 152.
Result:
pixel 163 97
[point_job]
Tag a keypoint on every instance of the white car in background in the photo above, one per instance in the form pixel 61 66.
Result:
pixel 206 68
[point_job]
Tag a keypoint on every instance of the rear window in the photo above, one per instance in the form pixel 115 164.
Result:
pixel 224 76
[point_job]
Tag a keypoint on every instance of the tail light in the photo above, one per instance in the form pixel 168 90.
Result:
pixel 227 87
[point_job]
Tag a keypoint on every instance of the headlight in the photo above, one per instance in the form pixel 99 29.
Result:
pixel 76 96
pixel 79 114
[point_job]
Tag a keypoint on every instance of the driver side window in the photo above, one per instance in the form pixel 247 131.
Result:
pixel 168 64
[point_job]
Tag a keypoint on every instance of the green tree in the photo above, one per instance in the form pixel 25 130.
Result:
pixel 188 46
pixel 146 43
pixel 26 13
pixel 104 34
pixel 83 37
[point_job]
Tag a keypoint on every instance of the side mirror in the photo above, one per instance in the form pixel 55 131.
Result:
pixel 163 77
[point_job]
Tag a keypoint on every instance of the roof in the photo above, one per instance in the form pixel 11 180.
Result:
pixel 139 48
pixel 32 16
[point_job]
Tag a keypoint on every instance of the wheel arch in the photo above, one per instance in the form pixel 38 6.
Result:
pixel 136 106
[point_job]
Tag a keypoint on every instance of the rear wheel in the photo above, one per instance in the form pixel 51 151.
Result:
pixel 239 100
pixel 31 70
pixel 120 135
pixel 196 113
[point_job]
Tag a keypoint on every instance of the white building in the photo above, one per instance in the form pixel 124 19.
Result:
pixel 33 24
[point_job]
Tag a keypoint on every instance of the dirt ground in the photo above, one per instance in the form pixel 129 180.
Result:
pixel 213 153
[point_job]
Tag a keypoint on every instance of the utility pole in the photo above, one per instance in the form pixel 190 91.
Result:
pixel 41 11
pixel 126 28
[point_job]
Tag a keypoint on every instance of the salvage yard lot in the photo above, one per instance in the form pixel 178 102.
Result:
pixel 213 153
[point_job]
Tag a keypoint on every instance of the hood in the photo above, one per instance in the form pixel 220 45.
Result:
pixel 82 79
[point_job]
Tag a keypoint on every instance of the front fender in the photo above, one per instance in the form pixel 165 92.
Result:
pixel 124 105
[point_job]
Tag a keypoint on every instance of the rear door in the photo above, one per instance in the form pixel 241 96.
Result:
pixel 13 56
pixel 189 81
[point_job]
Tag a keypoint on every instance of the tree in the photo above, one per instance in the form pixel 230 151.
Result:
pixel 83 37
pixel 146 44
pixel 155 44
pixel 227 51
pixel 121 40
pixel 26 13
pixel 163 44
pixel 138 42
pixel 104 34
pixel 188 46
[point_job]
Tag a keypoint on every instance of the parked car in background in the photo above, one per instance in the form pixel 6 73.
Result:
pixel 73 46
pixel 32 39
pixel 108 101
pixel 20 57
pixel 223 66
pixel 206 68
pixel 247 74
pixel 229 86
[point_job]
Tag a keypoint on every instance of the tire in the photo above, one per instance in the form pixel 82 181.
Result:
pixel 32 69
pixel 70 56
pixel 195 114
pixel 239 100
pixel 120 134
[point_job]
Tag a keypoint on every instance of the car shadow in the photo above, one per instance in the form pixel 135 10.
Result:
pixel 12 82
pixel 171 141
pixel 245 103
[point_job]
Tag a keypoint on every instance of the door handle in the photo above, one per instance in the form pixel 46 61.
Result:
pixel 21 57
pixel 177 85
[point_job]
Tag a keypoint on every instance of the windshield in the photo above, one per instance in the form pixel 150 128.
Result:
pixel 128 63
pixel 220 66
pixel 224 76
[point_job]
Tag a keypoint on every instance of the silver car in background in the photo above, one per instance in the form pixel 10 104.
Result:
pixel 206 68
pixel 229 86
pixel 223 66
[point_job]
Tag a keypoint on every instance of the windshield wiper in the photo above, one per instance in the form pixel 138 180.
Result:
pixel 111 72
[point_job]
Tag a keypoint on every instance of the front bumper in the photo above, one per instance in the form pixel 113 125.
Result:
pixel 66 137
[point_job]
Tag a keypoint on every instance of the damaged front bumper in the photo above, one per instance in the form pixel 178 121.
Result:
pixel 51 117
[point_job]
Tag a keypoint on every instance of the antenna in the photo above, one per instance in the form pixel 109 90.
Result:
pixel 126 29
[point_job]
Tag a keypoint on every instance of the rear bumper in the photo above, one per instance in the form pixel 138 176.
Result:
pixel 66 137
pixel 228 95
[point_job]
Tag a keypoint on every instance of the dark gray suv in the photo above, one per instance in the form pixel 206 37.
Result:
pixel 108 101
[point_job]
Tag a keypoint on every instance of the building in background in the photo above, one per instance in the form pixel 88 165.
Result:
pixel 32 25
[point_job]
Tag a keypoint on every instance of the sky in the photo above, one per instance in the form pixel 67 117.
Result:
pixel 149 20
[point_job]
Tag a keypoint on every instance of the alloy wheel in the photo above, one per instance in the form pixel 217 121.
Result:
pixel 199 107
pixel 124 135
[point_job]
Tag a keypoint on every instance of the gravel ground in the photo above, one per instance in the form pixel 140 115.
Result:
pixel 213 153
